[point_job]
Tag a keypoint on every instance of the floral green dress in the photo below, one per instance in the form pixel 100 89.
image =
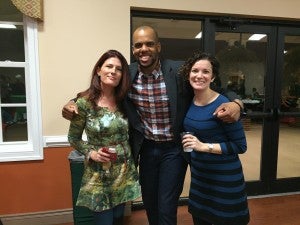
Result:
pixel 104 185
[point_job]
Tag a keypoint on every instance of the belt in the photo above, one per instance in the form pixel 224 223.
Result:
pixel 166 144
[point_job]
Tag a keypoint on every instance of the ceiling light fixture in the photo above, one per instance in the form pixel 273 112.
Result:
pixel 199 36
pixel 7 26
pixel 256 37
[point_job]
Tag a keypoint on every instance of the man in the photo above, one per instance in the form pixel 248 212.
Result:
pixel 156 106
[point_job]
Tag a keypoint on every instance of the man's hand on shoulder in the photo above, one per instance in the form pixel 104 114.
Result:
pixel 69 110
pixel 229 112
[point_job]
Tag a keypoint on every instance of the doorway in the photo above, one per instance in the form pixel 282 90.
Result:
pixel 259 62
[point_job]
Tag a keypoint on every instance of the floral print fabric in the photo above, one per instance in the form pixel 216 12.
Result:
pixel 104 185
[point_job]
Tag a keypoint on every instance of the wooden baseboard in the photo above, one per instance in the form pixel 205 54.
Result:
pixel 46 218
pixel 39 218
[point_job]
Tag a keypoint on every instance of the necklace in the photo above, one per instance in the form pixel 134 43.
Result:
pixel 109 103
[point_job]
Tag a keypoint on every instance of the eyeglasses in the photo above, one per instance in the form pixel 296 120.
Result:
pixel 149 44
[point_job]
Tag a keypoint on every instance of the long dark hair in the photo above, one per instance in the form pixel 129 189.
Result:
pixel 94 92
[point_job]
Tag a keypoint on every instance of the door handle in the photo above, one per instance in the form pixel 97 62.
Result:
pixel 281 114
pixel 268 114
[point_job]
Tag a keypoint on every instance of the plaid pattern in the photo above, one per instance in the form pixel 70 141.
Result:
pixel 149 94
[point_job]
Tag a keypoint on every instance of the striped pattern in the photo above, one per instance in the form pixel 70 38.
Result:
pixel 217 191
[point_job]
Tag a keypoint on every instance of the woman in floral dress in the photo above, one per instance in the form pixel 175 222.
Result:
pixel 109 181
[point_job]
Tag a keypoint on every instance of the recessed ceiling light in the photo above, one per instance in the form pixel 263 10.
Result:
pixel 199 35
pixel 256 37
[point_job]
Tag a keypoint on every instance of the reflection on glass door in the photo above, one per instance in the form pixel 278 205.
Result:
pixel 242 58
pixel 289 132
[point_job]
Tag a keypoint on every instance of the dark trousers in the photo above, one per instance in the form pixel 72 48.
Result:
pixel 199 221
pixel 112 216
pixel 162 171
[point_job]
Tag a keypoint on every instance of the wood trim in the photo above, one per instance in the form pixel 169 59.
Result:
pixel 37 218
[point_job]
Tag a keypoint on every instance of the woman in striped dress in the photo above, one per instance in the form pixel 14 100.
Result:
pixel 217 192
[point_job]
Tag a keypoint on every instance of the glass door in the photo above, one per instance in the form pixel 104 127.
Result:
pixel 251 61
pixel 259 61
pixel 287 105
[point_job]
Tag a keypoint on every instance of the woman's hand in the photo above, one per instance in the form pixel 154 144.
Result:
pixel 191 141
pixel 100 156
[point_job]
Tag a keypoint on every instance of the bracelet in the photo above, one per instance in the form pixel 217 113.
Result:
pixel 242 112
pixel 241 108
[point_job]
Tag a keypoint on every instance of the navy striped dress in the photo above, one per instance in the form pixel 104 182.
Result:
pixel 217 191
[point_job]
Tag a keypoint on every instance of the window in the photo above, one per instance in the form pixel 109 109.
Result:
pixel 20 130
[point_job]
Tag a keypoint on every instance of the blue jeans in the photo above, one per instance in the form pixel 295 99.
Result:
pixel 162 171
pixel 112 216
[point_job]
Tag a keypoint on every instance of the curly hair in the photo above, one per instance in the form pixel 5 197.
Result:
pixel 197 56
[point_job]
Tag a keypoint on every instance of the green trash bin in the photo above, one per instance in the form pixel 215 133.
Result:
pixel 81 215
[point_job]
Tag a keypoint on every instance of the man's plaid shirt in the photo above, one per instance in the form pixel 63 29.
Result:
pixel 149 94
